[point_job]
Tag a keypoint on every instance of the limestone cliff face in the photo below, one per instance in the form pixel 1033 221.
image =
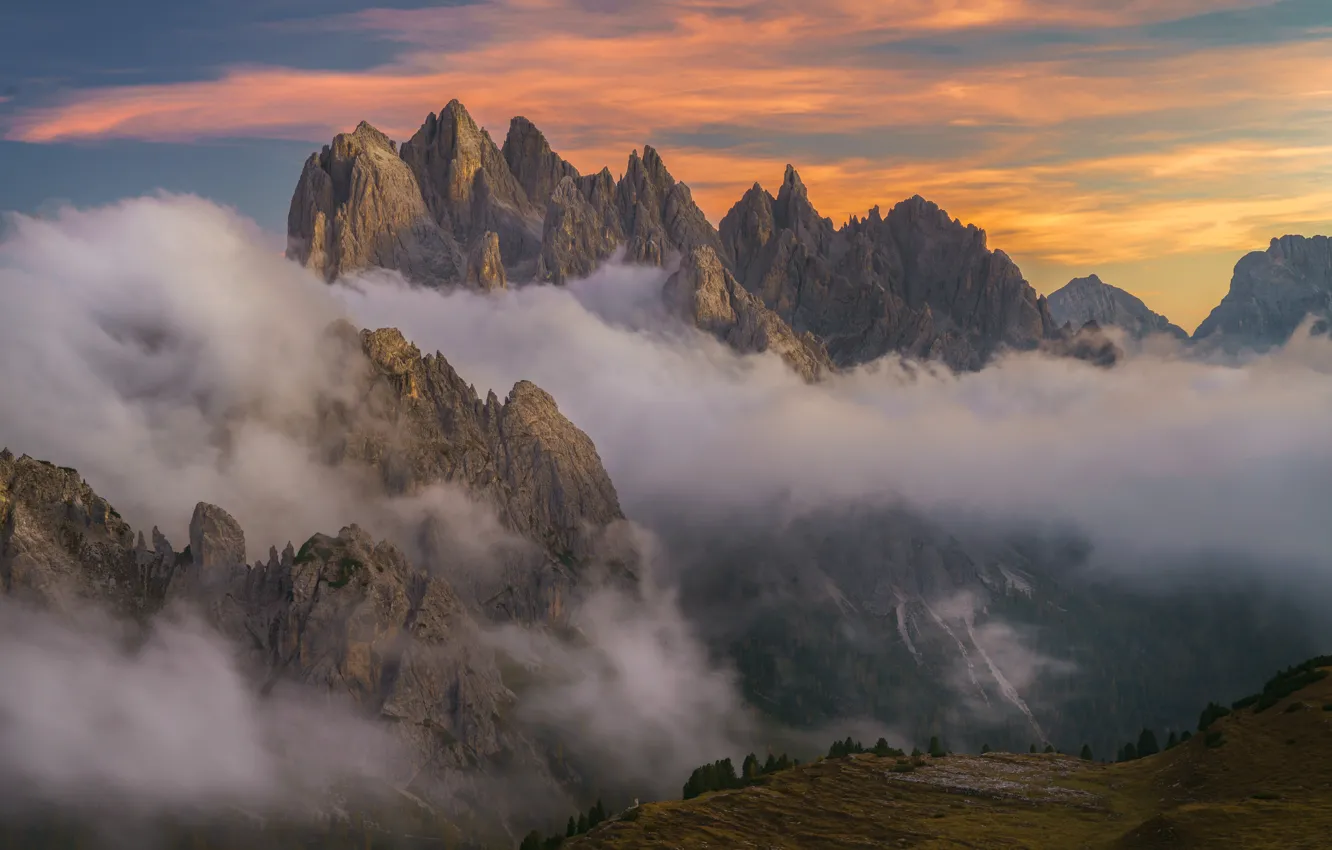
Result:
pixel 706 295
pixel 419 423
pixel 914 282
pixel 537 168
pixel 658 214
pixel 343 614
pixel 578 236
pixel 353 616
pixel 1088 299
pixel 62 545
pixel 468 187
pixel 1271 293
pixel 485 265
pixel 358 206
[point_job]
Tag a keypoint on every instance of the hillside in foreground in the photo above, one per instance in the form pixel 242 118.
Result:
pixel 1260 777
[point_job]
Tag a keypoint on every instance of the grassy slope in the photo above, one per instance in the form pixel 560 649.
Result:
pixel 1268 786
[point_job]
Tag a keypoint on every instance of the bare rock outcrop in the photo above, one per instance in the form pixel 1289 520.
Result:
pixel 343 615
pixel 62 545
pixel 1271 293
pixel 358 206
pixel 537 168
pixel 577 236
pixel 915 282
pixel 658 214
pixel 1089 299
pixel 468 187
pixel 485 264
pixel 419 423
pixel 706 295
pixel 351 616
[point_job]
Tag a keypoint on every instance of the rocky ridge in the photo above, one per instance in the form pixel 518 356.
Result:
pixel 1271 293
pixel 1089 299
pixel 915 282
pixel 705 294
pixel 344 614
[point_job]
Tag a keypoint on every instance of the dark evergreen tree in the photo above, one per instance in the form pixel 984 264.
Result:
pixel 1033 748
pixel 1086 754
pixel 1185 736
pixel 582 823
pixel 750 768
pixel 985 748
pixel 1172 741
pixel 1147 744
pixel 1211 714
pixel 770 765
pixel 936 748
pixel 531 841
pixel 1049 748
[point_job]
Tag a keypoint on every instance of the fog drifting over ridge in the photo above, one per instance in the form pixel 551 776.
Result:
pixel 1162 456
pixel 131 331
pixel 159 347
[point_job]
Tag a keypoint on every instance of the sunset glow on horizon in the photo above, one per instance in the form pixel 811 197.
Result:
pixel 1081 135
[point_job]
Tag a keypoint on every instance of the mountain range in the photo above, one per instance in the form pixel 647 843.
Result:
pixel 450 207
pixel 871 612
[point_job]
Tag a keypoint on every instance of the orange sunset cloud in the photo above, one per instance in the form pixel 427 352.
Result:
pixel 600 85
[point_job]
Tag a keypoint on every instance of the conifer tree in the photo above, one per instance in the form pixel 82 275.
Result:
pixel 572 829
pixel 582 823
pixel 750 768
pixel 1033 748
pixel 936 749
pixel 1086 754
pixel 985 748
pixel 1147 745
pixel 1049 748
pixel 1172 741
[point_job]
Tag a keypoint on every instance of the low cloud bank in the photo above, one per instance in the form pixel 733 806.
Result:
pixel 97 717
pixel 154 347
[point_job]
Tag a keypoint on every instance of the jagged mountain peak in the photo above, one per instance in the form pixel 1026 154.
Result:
pixel 530 158
pixel 1271 293
pixel 469 187
pixel 1090 299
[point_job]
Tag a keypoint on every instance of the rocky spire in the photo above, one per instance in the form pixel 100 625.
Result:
pixel 358 206
pixel 485 267
pixel 659 215
pixel 747 228
pixel 576 237
pixel 467 184
pixel 793 211
pixel 537 168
